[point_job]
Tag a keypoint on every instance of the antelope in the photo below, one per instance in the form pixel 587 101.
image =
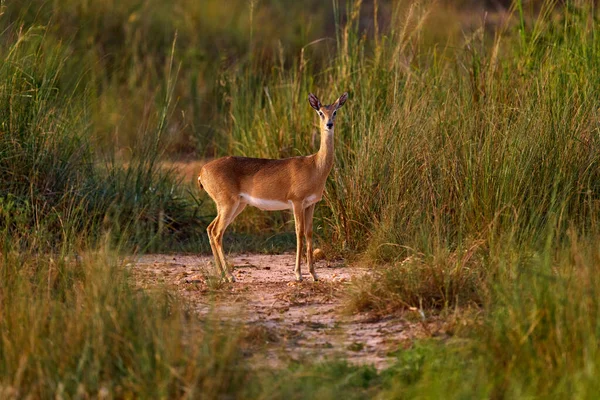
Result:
pixel 295 183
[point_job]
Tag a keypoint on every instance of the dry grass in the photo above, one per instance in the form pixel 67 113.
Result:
pixel 440 281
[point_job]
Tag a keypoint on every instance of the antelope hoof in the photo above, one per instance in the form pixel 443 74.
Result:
pixel 315 277
pixel 298 278
pixel 231 278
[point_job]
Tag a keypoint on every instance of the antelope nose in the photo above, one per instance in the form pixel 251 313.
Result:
pixel 329 125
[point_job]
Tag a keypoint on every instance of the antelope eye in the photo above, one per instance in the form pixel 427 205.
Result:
pixel 335 112
pixel 321 113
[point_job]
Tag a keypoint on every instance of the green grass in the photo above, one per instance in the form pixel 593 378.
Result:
pixel 80 328
pixel 499 141
pixel 124 49
pixel 55 189
pixel 466 173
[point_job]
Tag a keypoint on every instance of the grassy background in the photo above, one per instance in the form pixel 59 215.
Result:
pixel 466 173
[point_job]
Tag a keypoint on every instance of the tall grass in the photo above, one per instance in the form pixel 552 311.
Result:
pixel 73 322
pixel 537 338
pixel 124 47
pixel 469 169
pixel 78 327
pixel 433 153
pixel 53 186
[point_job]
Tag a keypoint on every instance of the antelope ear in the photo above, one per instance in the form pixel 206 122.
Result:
pixel 340 102
pixel 314 101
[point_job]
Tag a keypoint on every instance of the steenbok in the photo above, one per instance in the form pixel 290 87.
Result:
pixel 294 183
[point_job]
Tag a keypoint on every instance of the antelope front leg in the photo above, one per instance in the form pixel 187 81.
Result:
pixel 308 234
pixel 299 221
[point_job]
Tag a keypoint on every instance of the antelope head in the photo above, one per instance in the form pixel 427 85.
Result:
pixel 327 113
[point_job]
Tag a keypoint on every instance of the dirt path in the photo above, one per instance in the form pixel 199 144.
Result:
pixel 288 319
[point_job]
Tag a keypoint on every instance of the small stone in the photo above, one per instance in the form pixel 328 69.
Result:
pixel 318 254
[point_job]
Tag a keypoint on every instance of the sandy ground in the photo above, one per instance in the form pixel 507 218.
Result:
pixel 288 320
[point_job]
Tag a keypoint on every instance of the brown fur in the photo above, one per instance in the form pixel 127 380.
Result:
pixel 289 180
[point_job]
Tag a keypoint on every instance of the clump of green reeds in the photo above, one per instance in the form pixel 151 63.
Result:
pixel 53 186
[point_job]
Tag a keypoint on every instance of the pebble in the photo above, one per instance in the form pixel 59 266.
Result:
pixel 318 254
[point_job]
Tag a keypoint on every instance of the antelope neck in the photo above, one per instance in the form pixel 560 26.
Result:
pixel 325 153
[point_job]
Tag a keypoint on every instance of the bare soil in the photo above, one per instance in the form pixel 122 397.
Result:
pixel 287 319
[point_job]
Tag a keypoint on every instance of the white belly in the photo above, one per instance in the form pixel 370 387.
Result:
pixel 274 205
pixel 266 204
